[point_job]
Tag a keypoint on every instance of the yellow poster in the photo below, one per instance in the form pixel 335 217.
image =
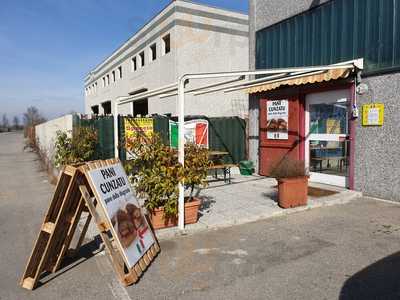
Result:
pixel 133 126
pixel 333 126
pixel 372 114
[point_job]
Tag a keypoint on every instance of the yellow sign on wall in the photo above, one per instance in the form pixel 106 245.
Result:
pixel 372 114
pixel 134 126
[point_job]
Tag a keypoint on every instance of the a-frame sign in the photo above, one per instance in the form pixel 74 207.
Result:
pixel 100 189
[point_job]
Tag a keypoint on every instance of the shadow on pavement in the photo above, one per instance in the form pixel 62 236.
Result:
pixel 85 252
pixel 380 280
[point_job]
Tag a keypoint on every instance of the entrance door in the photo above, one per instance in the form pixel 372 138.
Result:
pixel 327 132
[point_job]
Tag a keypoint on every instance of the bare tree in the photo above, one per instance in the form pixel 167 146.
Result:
pixel 16 123
pixel 33 117
pixel 5 123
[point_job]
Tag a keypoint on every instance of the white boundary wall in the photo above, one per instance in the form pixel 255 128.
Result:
pixel 46 134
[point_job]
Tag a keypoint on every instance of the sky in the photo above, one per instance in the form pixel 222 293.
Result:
pixel 48 46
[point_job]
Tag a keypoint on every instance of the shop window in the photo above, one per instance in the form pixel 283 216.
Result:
pixel 142 62
pixel 140 107
pixel 95 109
pixel 153 52
pixel 167 43
pixel 106 108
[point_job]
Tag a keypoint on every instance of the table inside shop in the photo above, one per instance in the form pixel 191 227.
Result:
pixel 341 159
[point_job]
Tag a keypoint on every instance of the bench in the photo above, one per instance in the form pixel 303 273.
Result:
pixel 319 160
pixel 226 168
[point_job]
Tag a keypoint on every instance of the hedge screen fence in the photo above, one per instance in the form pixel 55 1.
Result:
pixel 225 134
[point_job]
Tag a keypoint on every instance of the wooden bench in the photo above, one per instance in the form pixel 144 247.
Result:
pixel 226 168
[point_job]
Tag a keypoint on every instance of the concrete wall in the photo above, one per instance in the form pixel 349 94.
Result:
pixel 46 133
pixel 203 39
pixel 377 171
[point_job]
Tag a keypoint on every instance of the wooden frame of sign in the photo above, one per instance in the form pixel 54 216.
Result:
pixel 76 194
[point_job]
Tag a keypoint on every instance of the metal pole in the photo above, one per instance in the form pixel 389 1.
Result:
pixel 181 149
pixel 116 154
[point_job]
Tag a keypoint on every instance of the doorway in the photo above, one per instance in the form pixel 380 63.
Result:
pixel 327 144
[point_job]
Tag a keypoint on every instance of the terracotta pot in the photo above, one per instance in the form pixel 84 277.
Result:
pixel 292 192
pixel 191 215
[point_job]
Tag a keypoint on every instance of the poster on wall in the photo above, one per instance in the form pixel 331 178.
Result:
pixel 277 119
pixel 196 132
pixel 372 114
pixel 133 126
pixel 123 211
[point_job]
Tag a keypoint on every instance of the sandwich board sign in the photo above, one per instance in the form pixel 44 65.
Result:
pixel 115 194
pixel 101 190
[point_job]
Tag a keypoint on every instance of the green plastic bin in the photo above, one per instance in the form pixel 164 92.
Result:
pixel 246 167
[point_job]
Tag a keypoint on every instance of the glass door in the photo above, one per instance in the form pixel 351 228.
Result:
pixel 327 143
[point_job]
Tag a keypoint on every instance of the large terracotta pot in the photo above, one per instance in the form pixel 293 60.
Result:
pixel 191 215
pixel 292 192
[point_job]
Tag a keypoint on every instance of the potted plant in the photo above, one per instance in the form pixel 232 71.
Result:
pixel 155 173
pixel 292 182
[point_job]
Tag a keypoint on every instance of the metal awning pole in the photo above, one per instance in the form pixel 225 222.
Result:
pixel 181 149
pixel 116 130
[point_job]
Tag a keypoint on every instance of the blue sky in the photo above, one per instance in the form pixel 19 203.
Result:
pixel 48 46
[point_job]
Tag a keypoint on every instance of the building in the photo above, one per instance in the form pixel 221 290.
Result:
pixel 184 37
pixel 324 128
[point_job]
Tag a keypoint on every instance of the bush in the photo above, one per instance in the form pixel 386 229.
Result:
pixel 155 172
pixel 289 168
pixel 77 148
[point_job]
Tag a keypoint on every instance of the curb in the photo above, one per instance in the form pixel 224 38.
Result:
pixel 343 197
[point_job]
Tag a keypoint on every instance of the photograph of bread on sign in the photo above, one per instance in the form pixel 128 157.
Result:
pixel 114 192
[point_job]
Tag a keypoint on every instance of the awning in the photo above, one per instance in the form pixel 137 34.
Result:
pixel 315 77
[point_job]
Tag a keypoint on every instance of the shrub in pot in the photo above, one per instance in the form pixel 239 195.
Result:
pixel 155 173
pixel 292 182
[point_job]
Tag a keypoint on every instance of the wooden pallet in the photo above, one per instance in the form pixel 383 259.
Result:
pixel 72 197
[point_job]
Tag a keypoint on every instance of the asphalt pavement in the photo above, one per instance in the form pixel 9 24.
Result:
pixel 349 251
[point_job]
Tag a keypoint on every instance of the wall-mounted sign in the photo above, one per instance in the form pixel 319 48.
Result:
pixel 277 119
pixel 372 114
pixel 122 209
pixel 196 132
pixel 135 126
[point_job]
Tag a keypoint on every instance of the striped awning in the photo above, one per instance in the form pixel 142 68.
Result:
pixel 300 80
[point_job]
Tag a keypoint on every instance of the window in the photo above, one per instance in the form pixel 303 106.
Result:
pixel 106 107
pixel 167 43
pixel 95 109
pixel 333 32
pixel 104 81
pixel 141 55
pixel 113 76
pixel 153 52
pixel 95 86
pixel 141 108
pixel 108 80
pixel 134 64
pixel 120 72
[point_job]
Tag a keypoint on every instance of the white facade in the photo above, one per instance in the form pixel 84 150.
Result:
pixel 202 39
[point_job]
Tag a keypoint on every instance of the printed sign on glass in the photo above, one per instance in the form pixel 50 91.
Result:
pixel 123 211
pixel 277 119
